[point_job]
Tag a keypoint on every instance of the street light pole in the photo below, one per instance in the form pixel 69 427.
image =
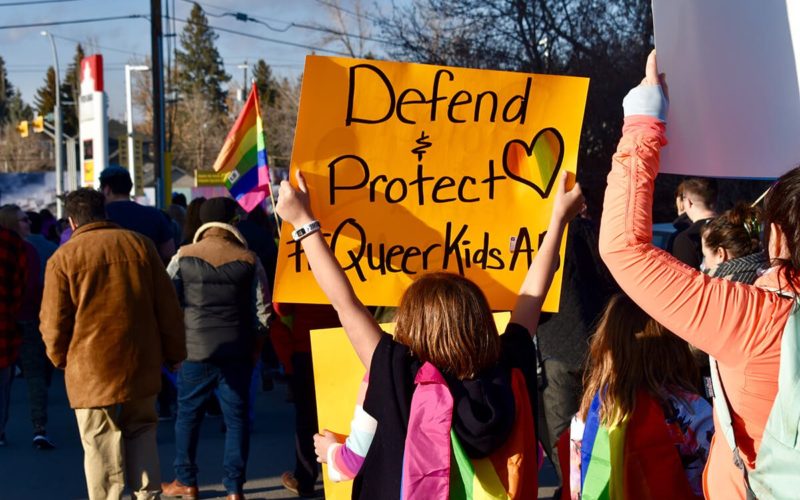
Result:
pixel 129 112
pixel 244 83
pixel 58 139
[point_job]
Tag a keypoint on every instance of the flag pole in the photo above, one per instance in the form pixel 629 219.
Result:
pixel 263 134
pixel 763 195
pixel 274 212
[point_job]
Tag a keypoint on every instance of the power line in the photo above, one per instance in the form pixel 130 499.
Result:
pixel 352 13
pixel 272 65
pixel 14 4
pixel 104 47
pixel 241 16
pixel 206 4
pixel 73 21
pixel 273 40
pixel 322 29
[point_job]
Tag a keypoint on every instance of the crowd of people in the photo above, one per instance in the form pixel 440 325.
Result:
pixel 153 315
pixel 667 373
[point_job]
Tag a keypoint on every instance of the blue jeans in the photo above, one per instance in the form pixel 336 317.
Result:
pixel 196 382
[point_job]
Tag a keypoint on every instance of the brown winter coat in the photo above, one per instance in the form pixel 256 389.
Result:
pixel 110 316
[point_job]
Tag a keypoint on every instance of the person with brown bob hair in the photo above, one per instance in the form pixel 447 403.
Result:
pixel 477 391
pixel 460 335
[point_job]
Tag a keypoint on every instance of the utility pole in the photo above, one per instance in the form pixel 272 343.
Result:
pixel 58 139
pixel 158 102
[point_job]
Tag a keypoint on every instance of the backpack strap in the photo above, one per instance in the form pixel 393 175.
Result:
pixel 723 411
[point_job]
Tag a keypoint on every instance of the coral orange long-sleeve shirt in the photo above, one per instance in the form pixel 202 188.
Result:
pixel 740 325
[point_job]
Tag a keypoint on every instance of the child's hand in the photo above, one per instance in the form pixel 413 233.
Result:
pixel 321 444
pixel 568 202
pixel 293 205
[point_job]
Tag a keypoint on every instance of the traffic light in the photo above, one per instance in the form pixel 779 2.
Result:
pixel 22 128
pixel 38 124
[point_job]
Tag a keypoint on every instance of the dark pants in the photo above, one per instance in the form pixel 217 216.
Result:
pixel 37 370
pixel 6 377
pixel 560 401
pixel 305 420
pixel 166 397
pixel 196 383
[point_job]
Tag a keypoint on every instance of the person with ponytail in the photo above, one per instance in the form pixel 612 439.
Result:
pixel 740 326
pixel 732 245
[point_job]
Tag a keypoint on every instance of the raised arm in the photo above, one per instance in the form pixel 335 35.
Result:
pixel 725 319
pixel 361 328
pixel 540 275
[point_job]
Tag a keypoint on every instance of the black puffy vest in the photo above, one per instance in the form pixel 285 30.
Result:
pixel 219 311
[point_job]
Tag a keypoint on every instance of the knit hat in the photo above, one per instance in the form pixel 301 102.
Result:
pixel 218 209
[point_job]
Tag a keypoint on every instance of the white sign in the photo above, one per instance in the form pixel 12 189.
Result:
pixel 93 115
pixel 732 73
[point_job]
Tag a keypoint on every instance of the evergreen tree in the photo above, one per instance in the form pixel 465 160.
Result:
pixel 6 92
pixel 17 109
pixel 45 99
pixel 265 82
pixel 200 67
pixel 71 92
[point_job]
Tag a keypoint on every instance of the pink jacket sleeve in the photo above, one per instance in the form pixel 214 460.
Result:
pixel 730 321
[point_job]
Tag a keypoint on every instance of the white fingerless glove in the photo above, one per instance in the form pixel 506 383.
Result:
pixel 646 100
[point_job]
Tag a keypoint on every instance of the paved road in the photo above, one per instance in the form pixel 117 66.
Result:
pixel 27 473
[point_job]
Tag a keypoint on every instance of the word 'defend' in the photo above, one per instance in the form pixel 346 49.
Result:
pixel 412 104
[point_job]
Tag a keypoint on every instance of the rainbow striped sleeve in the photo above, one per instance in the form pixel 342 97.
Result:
pixel 345 460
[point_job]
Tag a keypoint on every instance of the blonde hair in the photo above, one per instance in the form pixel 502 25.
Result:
pixel 445 319
pixel 631 351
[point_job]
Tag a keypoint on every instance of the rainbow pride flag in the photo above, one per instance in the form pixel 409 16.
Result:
pixel 636 459
pixel 602 457
pixel 435 465
pixel 244 156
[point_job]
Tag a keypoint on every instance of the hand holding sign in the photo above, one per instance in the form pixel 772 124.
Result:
pixel 651 75
pixel 650 97
pixel 293 205
pixel 323 441
pixel 569 202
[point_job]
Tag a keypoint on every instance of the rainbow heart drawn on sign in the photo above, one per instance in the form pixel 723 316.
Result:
pixel 537 164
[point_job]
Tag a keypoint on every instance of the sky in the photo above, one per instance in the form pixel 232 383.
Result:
pixel 27 53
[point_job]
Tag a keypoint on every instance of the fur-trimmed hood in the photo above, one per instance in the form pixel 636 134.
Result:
pixel 219 226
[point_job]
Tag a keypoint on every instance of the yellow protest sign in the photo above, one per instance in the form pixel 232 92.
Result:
pixel 414 168
pixel 209 178
pixel 88 173
pixel 337 376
